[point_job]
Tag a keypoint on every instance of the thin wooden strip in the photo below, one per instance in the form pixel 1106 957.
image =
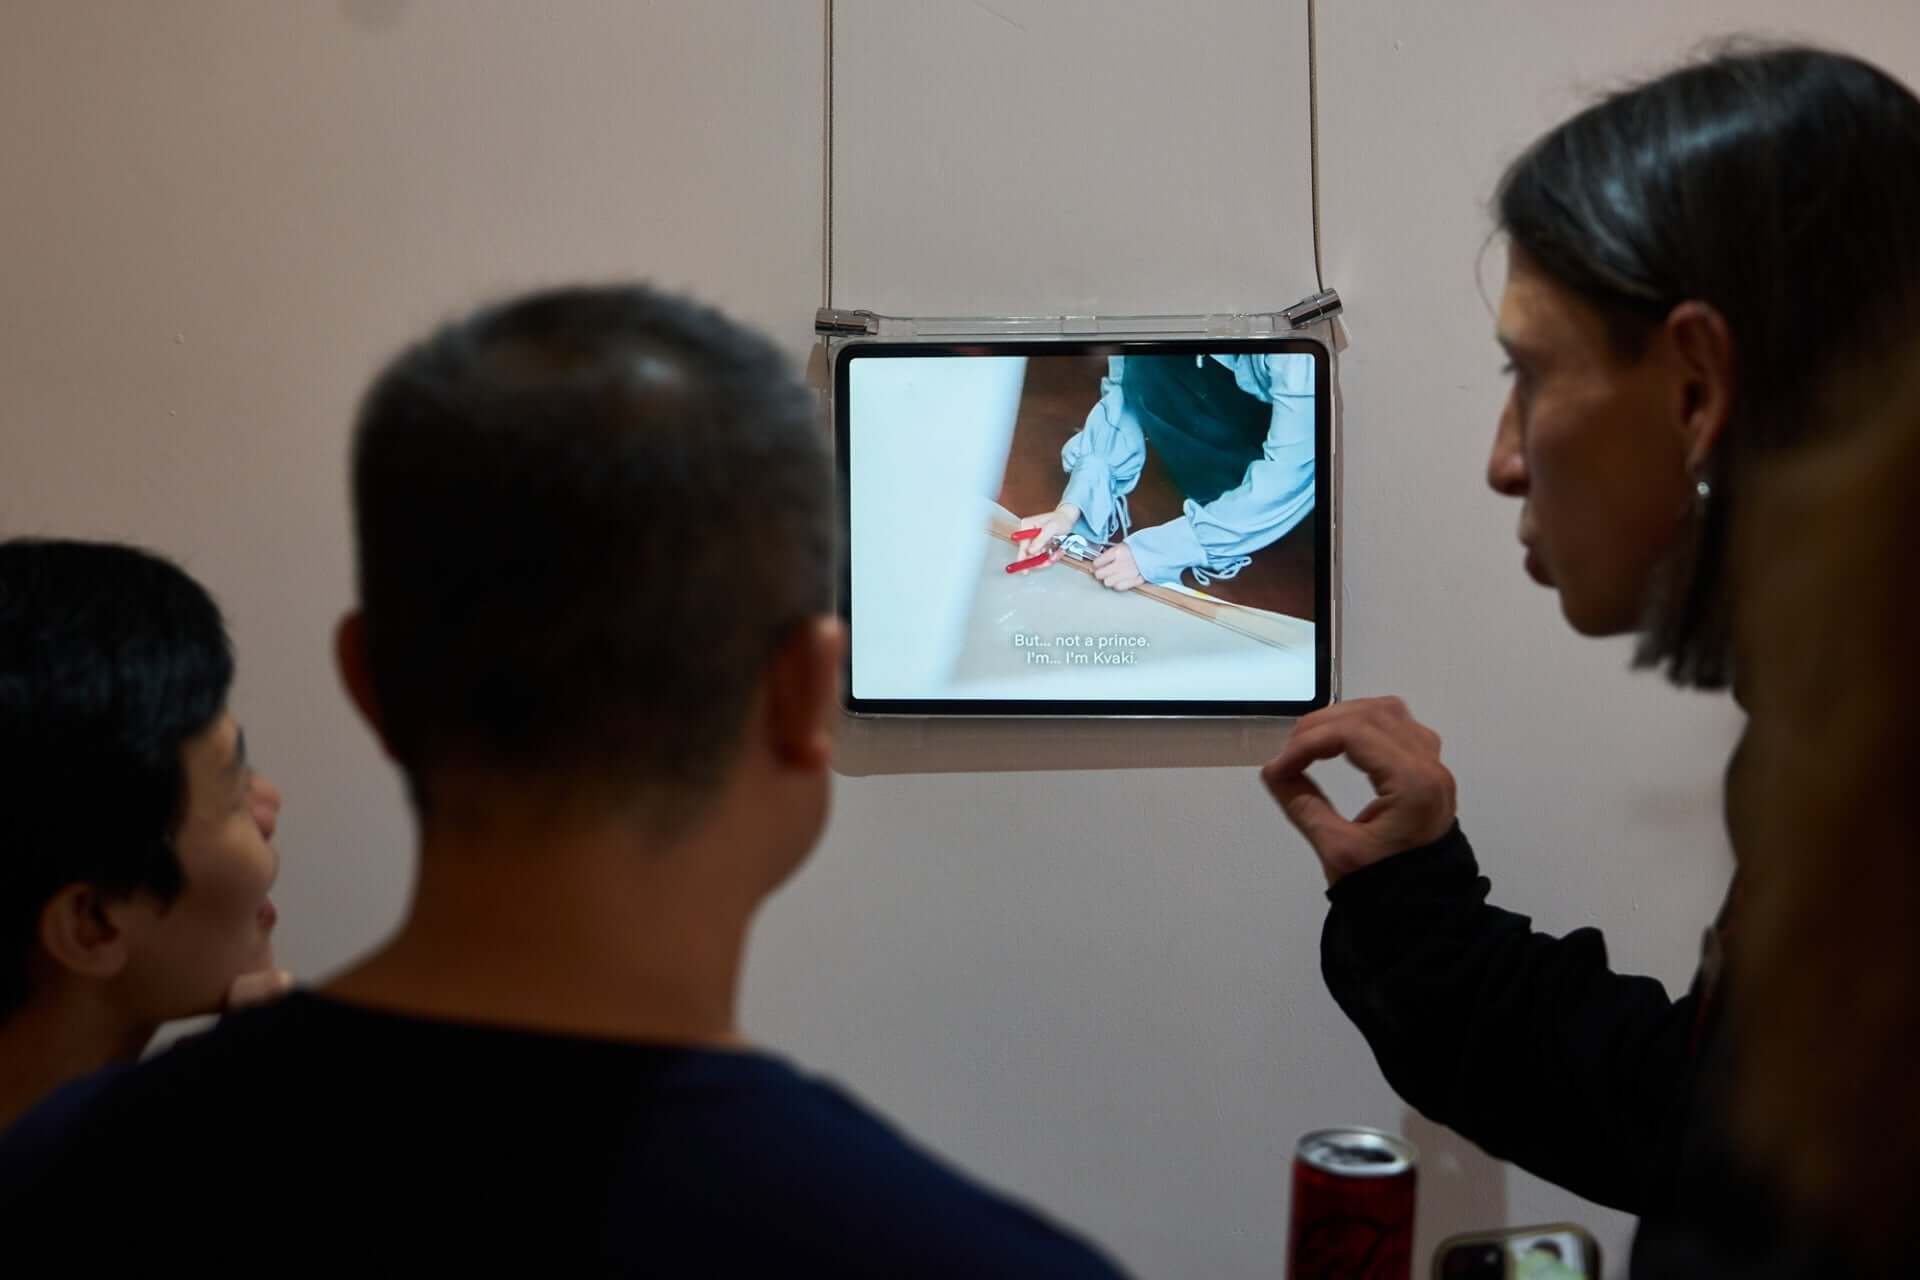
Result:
pixel 1275 630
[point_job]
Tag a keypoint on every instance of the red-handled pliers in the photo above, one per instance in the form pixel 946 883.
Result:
pixel 1033 562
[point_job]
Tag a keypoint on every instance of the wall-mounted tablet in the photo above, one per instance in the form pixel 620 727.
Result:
pixel 1064 528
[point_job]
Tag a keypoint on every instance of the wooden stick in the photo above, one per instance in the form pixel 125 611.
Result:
pixel 1275 629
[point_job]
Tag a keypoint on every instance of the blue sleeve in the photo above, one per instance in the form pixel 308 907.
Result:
pixel 1275 495
pixel 1104 458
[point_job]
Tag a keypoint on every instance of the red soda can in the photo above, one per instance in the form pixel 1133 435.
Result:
pixel 1352 1206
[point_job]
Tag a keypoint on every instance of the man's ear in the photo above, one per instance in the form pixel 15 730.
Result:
pixel 1699 338
pixel 87 933
pixel 356 674
pixel 803 693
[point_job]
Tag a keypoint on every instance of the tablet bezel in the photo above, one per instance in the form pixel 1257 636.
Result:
pixel 1102 709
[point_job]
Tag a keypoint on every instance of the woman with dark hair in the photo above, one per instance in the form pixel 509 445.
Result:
pixel 1690 265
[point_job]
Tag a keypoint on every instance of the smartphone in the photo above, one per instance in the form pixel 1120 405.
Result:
pixel 1556 1251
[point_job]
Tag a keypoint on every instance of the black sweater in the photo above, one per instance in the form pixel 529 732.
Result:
pixel 1535 1049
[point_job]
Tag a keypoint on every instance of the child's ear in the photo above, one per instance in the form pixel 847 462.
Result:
pixel 88 934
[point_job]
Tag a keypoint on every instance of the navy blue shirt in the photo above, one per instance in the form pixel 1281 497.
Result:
pixel 314 1131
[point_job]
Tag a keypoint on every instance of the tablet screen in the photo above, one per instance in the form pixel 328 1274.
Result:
pixel 1063 528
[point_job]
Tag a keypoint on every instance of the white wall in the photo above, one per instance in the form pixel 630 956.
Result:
pixel 1070 156
pixel 1097 988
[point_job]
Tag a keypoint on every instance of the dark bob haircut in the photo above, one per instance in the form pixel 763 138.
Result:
pixel 1780 185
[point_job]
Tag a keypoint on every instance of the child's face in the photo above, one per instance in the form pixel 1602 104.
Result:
pixel 185 956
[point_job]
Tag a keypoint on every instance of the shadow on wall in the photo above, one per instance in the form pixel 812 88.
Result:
pixel 1462 1188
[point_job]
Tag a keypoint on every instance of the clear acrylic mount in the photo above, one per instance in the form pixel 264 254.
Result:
pixel 838 324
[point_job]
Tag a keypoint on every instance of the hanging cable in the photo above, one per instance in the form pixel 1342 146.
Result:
pixel 826 168
pixel 826 176
pixel 1313 131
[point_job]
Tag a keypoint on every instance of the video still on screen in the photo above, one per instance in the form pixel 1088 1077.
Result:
pixel 1084 526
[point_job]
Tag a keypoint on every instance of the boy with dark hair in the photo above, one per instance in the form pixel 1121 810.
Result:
pixel 596 566
pixel 134 855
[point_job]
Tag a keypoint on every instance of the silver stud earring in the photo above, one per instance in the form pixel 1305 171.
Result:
pixel 1702 489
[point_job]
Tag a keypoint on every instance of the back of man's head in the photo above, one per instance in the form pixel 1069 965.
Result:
pixel 586 518
pixel 111 660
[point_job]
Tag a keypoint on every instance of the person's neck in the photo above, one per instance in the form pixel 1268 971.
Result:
pixel 539 923
pixel 57 1038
